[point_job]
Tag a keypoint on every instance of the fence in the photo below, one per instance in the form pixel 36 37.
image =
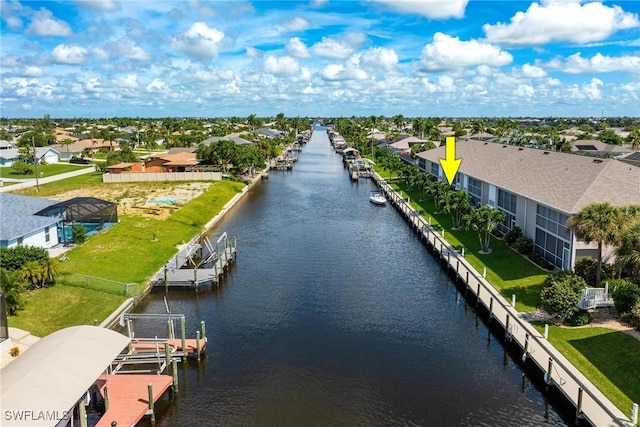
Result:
pixel 161 177
pixel 100 284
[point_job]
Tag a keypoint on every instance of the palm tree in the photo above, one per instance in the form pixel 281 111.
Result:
pixel 597 222
pixel 628 251
pixel 12 288
pixel 437 189
pixel 456 203
pixel 634 138
pixel 373 122
pixel 483 221
pixel 31 273
pixel 50 271
pixel 478 126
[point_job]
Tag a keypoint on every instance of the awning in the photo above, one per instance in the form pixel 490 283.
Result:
pixel 46 381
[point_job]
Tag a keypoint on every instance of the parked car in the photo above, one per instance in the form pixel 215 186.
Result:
pixel 80 161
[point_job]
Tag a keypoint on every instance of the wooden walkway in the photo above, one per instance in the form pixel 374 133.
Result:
pixel 591 405
pixel 192 347
pixel 129 397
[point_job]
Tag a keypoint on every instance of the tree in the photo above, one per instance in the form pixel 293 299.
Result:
pixel 634 138
pixel 79 233
pixel 628 250
pixel 13 289
pixel 561 294
pixel 50 271
pixel 609 136
pixel 14 258
pixel 483 221
pixel 456 203
pixel 478 127
pixel 31 273
pixel 437 190
pixel 597 222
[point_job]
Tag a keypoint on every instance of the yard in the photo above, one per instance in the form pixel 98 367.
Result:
pixel 43 170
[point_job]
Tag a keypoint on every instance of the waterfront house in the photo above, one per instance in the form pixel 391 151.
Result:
pixel 539 190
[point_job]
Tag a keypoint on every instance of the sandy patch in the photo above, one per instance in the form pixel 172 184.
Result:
pixel 148 200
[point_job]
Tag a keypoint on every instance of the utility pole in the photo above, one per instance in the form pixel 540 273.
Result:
pixel 35 164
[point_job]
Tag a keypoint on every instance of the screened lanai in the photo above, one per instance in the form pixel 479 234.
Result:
pixel 84 210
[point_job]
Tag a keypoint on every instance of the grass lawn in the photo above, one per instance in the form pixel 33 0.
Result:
pixel 507 270
pixel 124 253
pixel 50 309
pixel 46 170
pixel 127 252
pixel 609 359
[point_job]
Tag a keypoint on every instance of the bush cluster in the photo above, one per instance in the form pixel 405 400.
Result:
pixel 523 245
pixel 626 295
pixel 540 260
pixel 512 235
pixel 561 295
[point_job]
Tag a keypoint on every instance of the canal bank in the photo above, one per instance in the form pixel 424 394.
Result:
pixel 590 404
pixel 340 316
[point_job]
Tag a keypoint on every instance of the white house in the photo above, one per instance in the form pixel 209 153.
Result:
pixel 19 224
pixel 44 155
pixel 539 190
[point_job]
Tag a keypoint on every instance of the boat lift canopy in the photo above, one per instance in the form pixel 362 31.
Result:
pixel 44 383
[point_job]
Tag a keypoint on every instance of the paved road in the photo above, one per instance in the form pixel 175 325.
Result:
pixel 32 182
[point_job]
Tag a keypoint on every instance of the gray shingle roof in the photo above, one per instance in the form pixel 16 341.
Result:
pixel 17 215
pixel 238 140
pixel 563 181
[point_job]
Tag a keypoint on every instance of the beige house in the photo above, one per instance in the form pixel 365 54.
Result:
pixel 539 190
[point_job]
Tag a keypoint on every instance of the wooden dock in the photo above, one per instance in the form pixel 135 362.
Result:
pixel 199 264
pixel 128 397
pixel 591 405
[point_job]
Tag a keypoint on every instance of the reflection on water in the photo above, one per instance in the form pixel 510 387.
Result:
pixel 336 315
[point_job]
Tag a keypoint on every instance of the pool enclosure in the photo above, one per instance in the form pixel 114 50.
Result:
pixel 92 213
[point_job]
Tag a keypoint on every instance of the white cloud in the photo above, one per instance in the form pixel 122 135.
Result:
pixel 283 66
pixel 126 48
pixel 104 5
pixel 69 54
pixel 45 24
pixel 100 53
pixel 32 71
pixel 297 48
pixel 434 9
pixel 130 81
pixel 380 57
pixel 561 21
pixel 576 64
pixel 338 49
pixel 592 89
pixel 337 72
pixel 252 52
pixel 157 85
pixel 448 52
pixel 533 71
pixel 524 91
pixel 200 41
pixel 296 24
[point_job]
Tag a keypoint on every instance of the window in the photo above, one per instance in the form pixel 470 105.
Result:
pixel 435 170
pixel 422 164
pixel 20 240
pixel 552 236
pixel 507 201
pixel 475 191
pixel 47 237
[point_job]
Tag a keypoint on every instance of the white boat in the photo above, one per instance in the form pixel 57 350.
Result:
pixel 377 197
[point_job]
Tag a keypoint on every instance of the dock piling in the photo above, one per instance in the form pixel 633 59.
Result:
pixel 167 354
pixel 198 344
pixel 106 399
pixel 579 406
pixel 513 300
pixel 183 334
pixel 203 331
pixel 634 413
pixel 547 375
pixel 151 403
pixel 526 348
pixel 546 331
pixel 174 373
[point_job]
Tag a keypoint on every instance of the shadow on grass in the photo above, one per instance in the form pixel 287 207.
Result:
pixel 610 353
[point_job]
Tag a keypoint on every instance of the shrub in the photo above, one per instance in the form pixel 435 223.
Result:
pixel 581 318
pixel 561 294
pixel 79 233
pixel 586 268
pixel 12 259
pixel 14 351
pixel 21 168
pixel 632 317
pixel 523 245
pixel 512 235
pixel 625 295
pixel 540 261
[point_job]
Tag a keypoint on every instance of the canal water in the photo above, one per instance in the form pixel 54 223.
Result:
pixel 335 314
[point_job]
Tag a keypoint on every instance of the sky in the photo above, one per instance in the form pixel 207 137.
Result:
pixel 319 58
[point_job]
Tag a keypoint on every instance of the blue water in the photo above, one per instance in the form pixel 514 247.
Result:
pixel 335 314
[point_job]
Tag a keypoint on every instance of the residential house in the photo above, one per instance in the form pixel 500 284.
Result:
pixel 21 225
pixel 4 144
pixel 539 190
pixel 43 155
pixel 598 148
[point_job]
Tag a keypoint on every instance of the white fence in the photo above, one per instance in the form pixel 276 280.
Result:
pixel 162 176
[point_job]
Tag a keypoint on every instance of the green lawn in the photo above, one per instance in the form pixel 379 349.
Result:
pixel 82 181
pixel 609 359
pixel 50 309
pixel 507 270
pixel 45 170
pixel 124 253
